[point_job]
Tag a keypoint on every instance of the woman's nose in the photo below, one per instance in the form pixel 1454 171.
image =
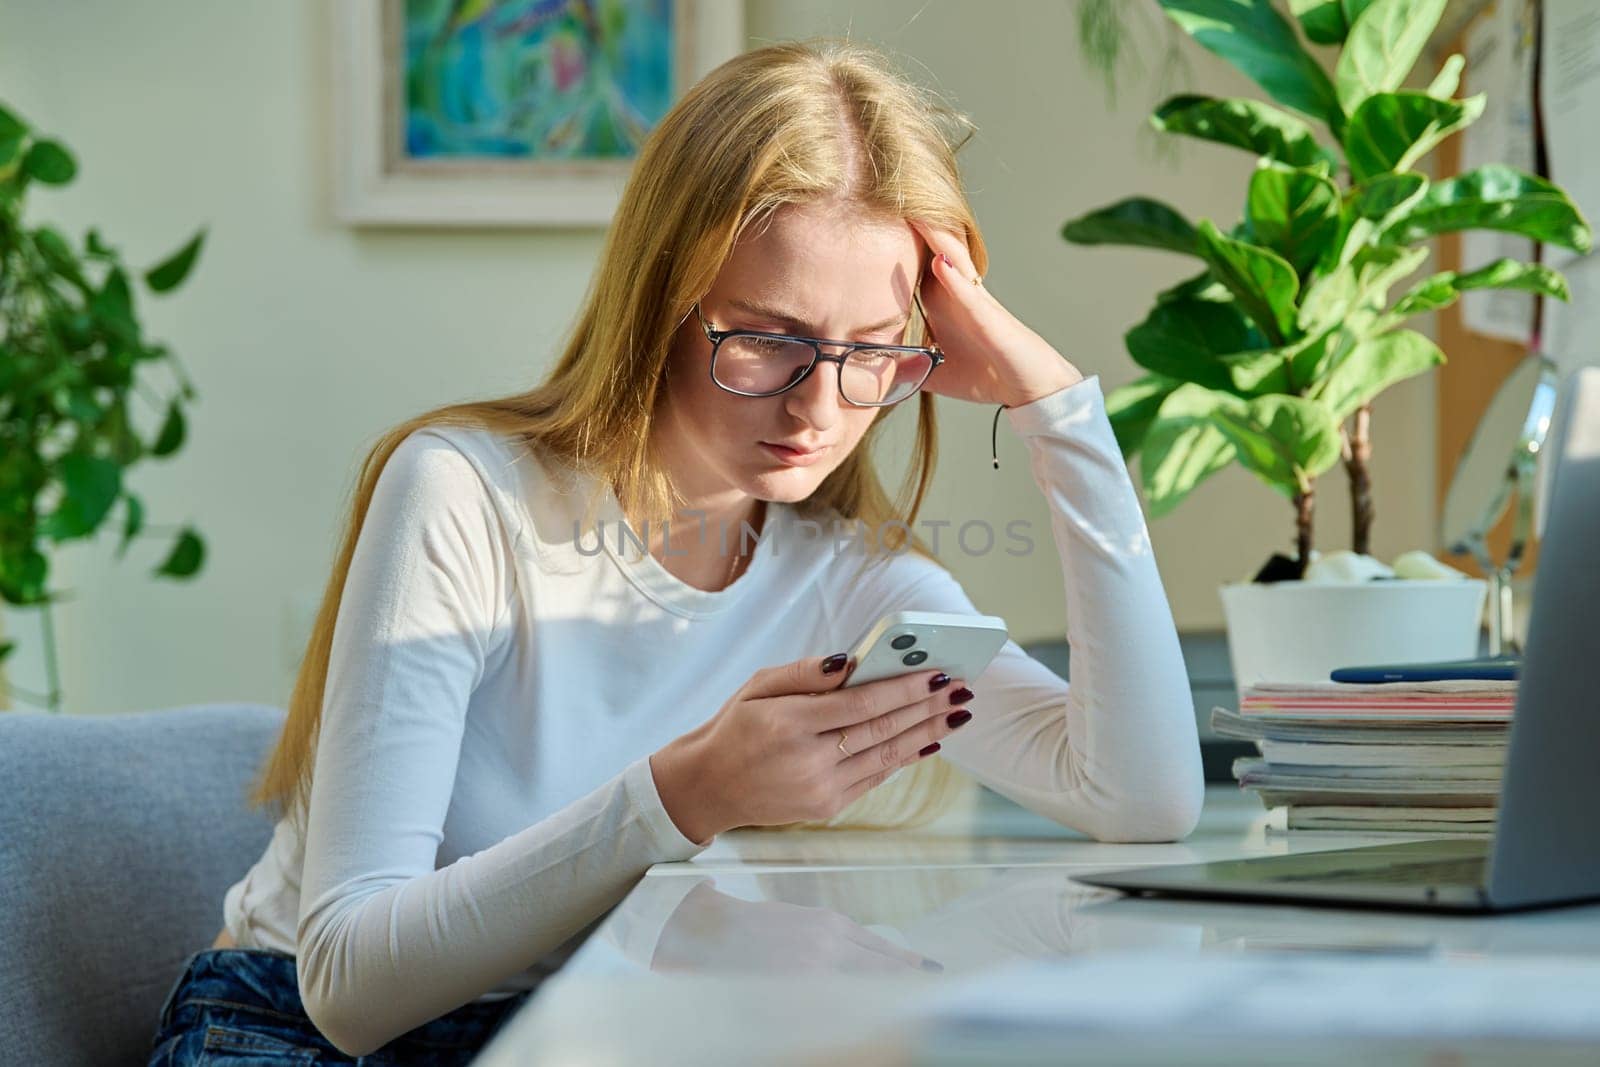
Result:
pixel 817 399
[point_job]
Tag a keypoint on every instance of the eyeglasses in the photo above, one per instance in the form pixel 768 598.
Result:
pixel 752 363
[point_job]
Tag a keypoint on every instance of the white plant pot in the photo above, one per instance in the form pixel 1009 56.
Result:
pixel 1300 631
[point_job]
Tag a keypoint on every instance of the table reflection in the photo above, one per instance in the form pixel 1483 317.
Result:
pixel 933 920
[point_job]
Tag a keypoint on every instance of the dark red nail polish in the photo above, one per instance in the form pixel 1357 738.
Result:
pixel 957 718
pixel 930 750
pixel 834 663
pixel 938 682
pixel 961 696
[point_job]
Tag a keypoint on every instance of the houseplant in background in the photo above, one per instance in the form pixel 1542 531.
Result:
pixel 1271 355
pixel 72 357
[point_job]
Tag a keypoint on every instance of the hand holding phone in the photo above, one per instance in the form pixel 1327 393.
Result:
pixel 790 746
pixel 961 646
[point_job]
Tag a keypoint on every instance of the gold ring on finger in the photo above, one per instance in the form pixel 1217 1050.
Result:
pixel 846 751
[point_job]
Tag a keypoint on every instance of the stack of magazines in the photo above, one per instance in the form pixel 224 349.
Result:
pixel 1396 756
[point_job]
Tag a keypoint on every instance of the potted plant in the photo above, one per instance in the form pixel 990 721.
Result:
pixel 72 356
pixel 1272 353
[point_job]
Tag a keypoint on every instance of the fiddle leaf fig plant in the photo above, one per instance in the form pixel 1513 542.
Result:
pixel 1270 356
pixel 73 357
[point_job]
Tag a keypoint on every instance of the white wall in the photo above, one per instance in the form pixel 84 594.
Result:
pixel 306 339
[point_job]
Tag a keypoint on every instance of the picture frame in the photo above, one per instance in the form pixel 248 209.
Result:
pixel 380 182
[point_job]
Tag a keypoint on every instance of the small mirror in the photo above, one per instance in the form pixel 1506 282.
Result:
pixel 1501 463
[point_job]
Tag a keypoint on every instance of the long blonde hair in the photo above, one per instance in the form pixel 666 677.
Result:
pixel 791 123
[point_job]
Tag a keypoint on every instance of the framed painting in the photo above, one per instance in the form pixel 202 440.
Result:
pixel 508 112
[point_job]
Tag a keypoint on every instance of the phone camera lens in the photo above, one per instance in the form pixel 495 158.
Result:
pixel 904 641
pixel 911 659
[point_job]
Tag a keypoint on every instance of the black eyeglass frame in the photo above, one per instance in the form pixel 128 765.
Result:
pixel 716 337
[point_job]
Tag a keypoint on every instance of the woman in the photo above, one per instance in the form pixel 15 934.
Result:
pixel 506 714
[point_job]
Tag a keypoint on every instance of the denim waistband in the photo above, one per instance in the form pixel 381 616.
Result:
pixel 265 981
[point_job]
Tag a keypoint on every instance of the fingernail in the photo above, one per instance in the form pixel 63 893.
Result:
pixel 834 663
pixel 957 718
pixel 961 696
pixel 930 750
pixel 938 682
pixel 932 966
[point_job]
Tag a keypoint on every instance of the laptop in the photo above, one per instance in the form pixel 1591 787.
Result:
pixel 1546 845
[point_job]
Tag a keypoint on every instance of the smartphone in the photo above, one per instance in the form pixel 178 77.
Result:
pixel 904 641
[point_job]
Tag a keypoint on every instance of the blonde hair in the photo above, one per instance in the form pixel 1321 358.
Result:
pixel 791 123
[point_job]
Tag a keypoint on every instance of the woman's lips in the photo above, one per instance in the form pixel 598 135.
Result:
pixel 791 457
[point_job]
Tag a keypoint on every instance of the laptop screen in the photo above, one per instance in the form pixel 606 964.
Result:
pixel 1547 840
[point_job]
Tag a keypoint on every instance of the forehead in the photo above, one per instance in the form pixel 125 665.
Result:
pixel 823 262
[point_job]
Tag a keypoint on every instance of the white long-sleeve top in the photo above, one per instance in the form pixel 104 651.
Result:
pixel 501 673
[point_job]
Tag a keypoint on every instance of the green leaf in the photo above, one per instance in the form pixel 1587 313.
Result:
pixel 1385 39
pixel 1132 407
pixel 58 253
pixel 170 438
pixel 1494 197
pixel 1328 299
pixel 1431 294
pixel 5 649
pixel 1322 20
pixel 1136 221
pixel 1202 286
pixel 1311 356
pixel 112 307
pixel 132 522
pixel 1255 38
pixel 1177 457
pixel 24 582
pixel 1448 80
pixel 91 485
pixel 126 447
pixel 1366 210
pixel 1375 364
pixel 1442 289
pixel 1353 10
pixel 1182 448
pixel 81 407
pixel 1391 131
pixel 12 133
pixel 1378 268
pixel 1510 274
pixel 97 247
pixel 1208 342
pixel 1286 441
pixel 186 556
pixel 1388 193
pixel 1263 282
pixel 1294 212
pixel 1248 124
pixel 49 162
pixel 171 272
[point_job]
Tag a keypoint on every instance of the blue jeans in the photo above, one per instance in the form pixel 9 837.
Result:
pixel 242 1007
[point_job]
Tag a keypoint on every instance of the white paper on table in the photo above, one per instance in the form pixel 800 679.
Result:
pixel 1153 993
pixel 1500 55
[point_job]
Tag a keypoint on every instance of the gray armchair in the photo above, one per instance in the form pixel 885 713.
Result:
pixel 119 835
